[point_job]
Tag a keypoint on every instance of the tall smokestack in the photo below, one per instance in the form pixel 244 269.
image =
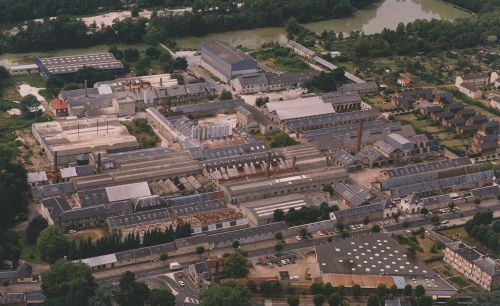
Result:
pixel 99 167
pixel 86 90
pixel 55 160
pixel 360 135
pixel 268 164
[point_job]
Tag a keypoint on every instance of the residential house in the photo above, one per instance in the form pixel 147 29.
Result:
pixel 470 90
pixel 362 88
pixel 23 274
pixel 495 78
pixel 59 108
pixel 408 99
pixel 478 80
pixel 403 81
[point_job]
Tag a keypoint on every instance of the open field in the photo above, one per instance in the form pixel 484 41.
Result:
pixel 379 103
pixel 460 233
pixel 93 233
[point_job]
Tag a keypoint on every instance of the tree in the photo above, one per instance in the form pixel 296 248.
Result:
pixel 303 232
pixel 406 224
pixel 328 289
pixel 134 11
pixel 376 228
pixel 35 226
pixel 260 101
pixel 236 244
pixel 319 299
pixel 226 95
pixel 435 218
pixel 366 220
pixel 334 299
pixel 316 289
pixel 68 283
pixel 341 226
pixel 104 295
pixel 356 291
pixel 425 301
pixel 200 250
pixel 408 291
pixel 92 75
pixel 394 290
pixel 278 248
pixel 279 236
pixel 132 293
pixel 228 294
pixel 14 255
pixel 29 105
pixel 52 244
pixel 452 302
pixel 270 288
pixel 180 63
pixel 382 290
pixel 424 211
pixel 477 201
pixel 293 300
pixel 252 286
pixel 279 215
pixel 328 188
pixel 419 291
pixel 159 297
pixel 163 257
pixel 131 54
pixel 373 300
pixel 236 265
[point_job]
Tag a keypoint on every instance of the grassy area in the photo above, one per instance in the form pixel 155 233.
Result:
pixel 379 103
pixel 460 233
pixel 281 58
pixel 94 233
pixel 28 58
pixel 143 132
pixel 28 252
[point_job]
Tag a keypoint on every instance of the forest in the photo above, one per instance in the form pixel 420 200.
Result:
pixel 68 32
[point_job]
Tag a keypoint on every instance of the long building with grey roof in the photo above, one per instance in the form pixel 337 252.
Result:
pixel 65 66
pixel 331 120
pixel 261 188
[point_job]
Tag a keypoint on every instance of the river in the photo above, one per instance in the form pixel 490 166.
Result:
pixel 385 14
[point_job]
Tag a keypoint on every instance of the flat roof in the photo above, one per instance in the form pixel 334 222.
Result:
pixel 72 63
pixel 100 260
pixel 300 108
pixel 371 254
pixel 128 191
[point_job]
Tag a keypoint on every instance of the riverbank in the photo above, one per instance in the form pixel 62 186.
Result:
pixel 457 7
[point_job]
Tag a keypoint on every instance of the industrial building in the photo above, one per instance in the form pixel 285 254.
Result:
pixel 267 187
pixel 372 259
pixel 343 101
pixel 281 111
pixel 356 215
pixel 66 66
pixel 369 87
pixel 58 212
pixel 352 194
pixel 67 140
pixel 23 69
pixel 225 61
pixel 428 179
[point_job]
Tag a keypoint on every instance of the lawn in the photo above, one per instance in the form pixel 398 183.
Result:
pixel 460 233
pixel 379 103
pixel 281 59
pixel 94 233
pixel 28 252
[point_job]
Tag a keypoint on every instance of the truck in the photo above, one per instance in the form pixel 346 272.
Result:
pixel 175 266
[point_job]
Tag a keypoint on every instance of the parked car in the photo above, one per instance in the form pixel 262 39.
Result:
pixel 279 263
pixel 72 231
pixel 298 238
pixel 283 262
pixel 319 233
pixel 288 261
pixel 181 283
pixel 294 277
pixel 270 265
pixel 180 275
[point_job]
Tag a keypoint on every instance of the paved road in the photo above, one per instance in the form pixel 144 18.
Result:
pixel 452 216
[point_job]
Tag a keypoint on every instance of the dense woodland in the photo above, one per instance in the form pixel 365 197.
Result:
pixel 67 32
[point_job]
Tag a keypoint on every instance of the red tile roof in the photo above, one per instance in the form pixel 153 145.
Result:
pixel 58 104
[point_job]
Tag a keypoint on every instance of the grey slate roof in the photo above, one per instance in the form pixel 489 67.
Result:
pixel 300 123
pixel 366 86
pixel 355 193
pixel 247 232
pixel 340 97
pixel 291 77
pixel 345 158
pixel 56 207
pixel 53 190
pixel 428 166
pixel 226 52
pixel 361 210
pixel 93 197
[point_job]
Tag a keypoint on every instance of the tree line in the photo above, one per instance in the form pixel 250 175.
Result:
pixel 15 11
pixel 54 245
pixel 305 214
pixel 482 228
pixel 67 32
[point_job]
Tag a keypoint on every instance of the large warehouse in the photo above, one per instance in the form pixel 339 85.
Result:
pixel 225 61
pixel 65 66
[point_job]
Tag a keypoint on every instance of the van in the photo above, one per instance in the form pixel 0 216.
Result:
pixel 175 266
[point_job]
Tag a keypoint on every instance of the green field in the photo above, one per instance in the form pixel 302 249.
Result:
pixel 28 252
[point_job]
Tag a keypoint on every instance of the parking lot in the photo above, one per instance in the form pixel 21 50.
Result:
pixel 304 269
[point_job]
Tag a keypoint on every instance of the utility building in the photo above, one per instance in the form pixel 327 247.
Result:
pixel 65 66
